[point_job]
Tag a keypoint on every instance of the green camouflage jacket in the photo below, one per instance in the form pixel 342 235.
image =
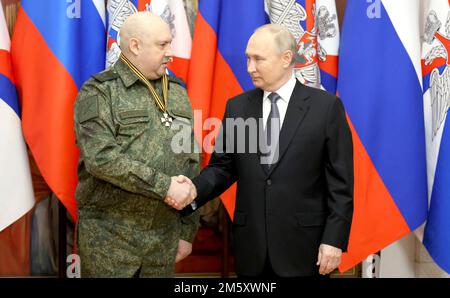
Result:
pixel 126 156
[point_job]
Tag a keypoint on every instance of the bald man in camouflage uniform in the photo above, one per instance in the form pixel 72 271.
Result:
pixel 126 228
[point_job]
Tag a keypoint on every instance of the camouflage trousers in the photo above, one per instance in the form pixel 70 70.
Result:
pixel 120 244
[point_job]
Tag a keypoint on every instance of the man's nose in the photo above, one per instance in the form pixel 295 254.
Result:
pixel 250 66
pixel 169 52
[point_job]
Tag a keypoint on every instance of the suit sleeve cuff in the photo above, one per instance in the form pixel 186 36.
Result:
pixel 337 232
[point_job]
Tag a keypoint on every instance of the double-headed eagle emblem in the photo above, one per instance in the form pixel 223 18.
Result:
pixel 290 14
pixel 439 82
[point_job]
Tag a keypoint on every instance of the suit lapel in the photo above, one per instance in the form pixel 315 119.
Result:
pixel 254 110
pixel 296 111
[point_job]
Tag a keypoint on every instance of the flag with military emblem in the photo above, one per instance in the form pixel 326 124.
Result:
pixel 172 11
pixel 436 102
pixel 314 24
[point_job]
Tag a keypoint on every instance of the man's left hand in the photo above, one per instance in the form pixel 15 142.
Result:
pixel 328 259
pixel 184 249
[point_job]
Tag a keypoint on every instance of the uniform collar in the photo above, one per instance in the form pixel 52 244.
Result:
pixel 126 74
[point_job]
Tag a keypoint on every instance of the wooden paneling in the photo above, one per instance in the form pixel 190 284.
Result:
pixel 10 8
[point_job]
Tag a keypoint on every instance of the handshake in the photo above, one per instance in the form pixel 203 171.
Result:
pixel 181 192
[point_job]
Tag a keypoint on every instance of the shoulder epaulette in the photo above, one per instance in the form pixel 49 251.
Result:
pixel 177 80
pixel 106 75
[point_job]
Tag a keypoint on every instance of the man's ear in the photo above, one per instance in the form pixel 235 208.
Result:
pixel 287 57
pixel 134 46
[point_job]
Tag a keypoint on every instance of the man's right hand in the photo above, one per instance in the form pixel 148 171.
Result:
pixel 181 192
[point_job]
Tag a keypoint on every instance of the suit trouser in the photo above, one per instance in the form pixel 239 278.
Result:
pixel 268 272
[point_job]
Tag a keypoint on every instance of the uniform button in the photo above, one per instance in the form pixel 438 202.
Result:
pixel 269 182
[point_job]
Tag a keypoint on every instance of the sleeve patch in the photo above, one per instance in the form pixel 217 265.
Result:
pixel 88 109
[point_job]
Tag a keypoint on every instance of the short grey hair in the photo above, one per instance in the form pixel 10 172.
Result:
pixel 283 38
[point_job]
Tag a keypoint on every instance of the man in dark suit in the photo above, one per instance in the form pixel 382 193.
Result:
pixel 294 204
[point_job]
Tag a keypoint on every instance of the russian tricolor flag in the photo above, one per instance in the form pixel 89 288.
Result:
pixel 16 191
pixel 380 83
pixel 218 68
pixel 57 45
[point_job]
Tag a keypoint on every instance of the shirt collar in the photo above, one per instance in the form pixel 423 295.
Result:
pixel 285 91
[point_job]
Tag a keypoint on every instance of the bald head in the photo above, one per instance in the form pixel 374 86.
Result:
pixel 145 39
pixel 140 25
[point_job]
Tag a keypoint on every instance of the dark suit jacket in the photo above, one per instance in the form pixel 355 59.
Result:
pixel 305 199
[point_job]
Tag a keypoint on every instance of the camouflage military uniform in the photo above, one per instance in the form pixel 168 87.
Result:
pixel 126 162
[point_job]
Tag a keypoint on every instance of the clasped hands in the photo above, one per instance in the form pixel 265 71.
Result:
pixel 181 192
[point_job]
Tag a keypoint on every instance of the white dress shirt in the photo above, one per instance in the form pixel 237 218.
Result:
pixel 285 93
